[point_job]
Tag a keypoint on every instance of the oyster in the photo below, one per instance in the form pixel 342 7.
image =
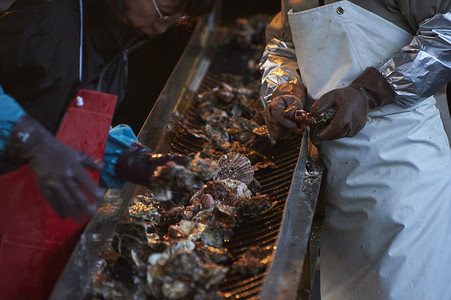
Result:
pixel 204 168
pixel 303 117
pixel 219 191
pixel 225 191
pixel 181 274
pixel 175 289
pixel 261 139
pixel 175 183
pixel 238 188
pixel 253 205
pixel 253 261
pixel 216 255
pixel 135 230
pixel 132 241
pixel 183 229
pixel 143 209
pixel 235 166
pixel 218 216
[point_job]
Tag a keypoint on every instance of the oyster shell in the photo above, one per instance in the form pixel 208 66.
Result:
pixel 253 206
pixel 183 229
pixel 175 183
pixel 219 191
pixel 180 272
pixel 217 216
pixel 216 255
pixel 204 168
pixel 237 187
pixel 212 237
pixel 175 289
pixel 135 230
pixel 235 166
pixel 218 115
pixel 253 261
pixel 142 208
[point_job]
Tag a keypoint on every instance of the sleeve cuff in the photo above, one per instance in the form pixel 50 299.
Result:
pixel 119 139
pixel 10 112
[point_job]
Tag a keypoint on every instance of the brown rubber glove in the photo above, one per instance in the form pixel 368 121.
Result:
pixel 369 90
pixel 287 98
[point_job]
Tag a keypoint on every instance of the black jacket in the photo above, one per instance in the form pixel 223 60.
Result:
pixel 39 54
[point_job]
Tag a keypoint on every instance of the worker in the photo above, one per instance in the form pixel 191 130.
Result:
pixel 375 67
pixel 63 71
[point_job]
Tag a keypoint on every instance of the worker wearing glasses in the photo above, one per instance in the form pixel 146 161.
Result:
pixel 151 16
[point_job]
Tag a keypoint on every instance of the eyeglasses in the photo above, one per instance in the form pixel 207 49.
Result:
pixel 168 18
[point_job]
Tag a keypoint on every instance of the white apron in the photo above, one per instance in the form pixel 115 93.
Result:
pixel 387 231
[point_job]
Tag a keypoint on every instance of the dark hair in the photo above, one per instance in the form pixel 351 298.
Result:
pixel 196 8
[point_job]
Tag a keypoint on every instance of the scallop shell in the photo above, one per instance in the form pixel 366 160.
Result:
pixel 235 166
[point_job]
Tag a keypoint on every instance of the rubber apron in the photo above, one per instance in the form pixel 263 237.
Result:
pixel 35 243
pixel 387 227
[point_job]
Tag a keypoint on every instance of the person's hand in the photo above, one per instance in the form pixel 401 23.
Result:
pixel 280 112
pixel 369 90
pixel 350 117
pixel 59 169
pixel 137 163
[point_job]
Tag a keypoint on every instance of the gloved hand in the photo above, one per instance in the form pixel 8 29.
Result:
pixel 137 163
pixel 369 90
pixel 59 169
pixel 287 98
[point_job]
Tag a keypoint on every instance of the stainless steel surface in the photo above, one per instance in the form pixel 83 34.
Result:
pixel 290 257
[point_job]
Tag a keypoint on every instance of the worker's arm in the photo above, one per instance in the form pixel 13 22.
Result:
pixel 421 68
pixel 278 66
pixel 120 138
pixel 126 160
pixel 278 63
pixel 282 91
pixel 10 112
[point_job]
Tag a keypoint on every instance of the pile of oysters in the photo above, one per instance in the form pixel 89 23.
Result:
pixel 172 244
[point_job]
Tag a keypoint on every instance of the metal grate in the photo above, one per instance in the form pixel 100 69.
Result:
pixel 264 229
